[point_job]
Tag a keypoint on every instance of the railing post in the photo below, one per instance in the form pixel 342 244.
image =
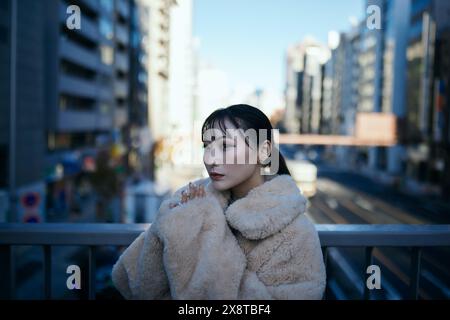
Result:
pixel 325 261
pixel 47 272
pixel 368 262
pixel 7 272
pixel 415 272
pixel 92 267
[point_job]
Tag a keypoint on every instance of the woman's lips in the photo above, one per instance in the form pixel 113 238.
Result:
pixel 216 176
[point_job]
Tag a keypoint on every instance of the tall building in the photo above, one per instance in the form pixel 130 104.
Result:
pixel 88 88
pixel 23 106
pixel 328 120
pixel 87 65
pixel 346 98
pixel 427 86
pixel 294 66
pixel 371 81
pixel 303 93
pixel 395 38
pixel 70 87
pixel 140 139
pixel 181 115
pixel 160 12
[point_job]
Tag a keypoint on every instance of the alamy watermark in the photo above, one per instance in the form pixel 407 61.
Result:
pixel 373 20
pixel 74 280
pixel 73 21
pixel 374 280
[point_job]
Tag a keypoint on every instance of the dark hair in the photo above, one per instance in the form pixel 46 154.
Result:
pixel 244 116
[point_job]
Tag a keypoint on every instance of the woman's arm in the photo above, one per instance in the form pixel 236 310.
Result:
pixel 201 256
pixel 188 252
pixel 295 271
pixel 191 250
pixel 204 261
pixel 139 272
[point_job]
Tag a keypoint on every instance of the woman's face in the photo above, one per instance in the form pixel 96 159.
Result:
pixel 228 159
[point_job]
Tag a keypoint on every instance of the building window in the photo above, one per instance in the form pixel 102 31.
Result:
pixel 62 103
pixel 4 35
pixel 106 28
pixel 107 54
pixel 105 108
pixel 107 5
pixel 142 76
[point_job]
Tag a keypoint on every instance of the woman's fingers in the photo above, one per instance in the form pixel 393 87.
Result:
pixel 201 191
pixel 192 192
pixel 184 197
pixel 204 192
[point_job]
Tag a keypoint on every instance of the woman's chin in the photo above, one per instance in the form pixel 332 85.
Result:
pixel 220 185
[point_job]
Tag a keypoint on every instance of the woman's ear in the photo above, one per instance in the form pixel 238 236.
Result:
pixel 264 152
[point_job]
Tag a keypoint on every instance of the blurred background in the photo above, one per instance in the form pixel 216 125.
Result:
pixel 102 106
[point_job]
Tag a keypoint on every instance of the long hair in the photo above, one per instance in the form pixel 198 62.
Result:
pixel 244 116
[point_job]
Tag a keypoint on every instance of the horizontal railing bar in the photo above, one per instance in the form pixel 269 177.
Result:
pixel 382 235
pixel 334 235
pixel 70 233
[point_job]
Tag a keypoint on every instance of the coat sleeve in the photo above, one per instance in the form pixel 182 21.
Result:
pixel 139 272
pixel 295 271
pixel 203 259
pixel 201 256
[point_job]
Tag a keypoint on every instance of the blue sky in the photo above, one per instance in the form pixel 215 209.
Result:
pixel 248 38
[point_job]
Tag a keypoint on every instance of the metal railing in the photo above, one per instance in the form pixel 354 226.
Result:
pixel 93 235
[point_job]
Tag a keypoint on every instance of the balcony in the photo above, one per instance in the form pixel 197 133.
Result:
pixel 121 62
pixel 104 92
pixel 122 9
pixel 79 55
pixel 80 121
pixel 122 35
pixel 92 5
pixel 121 88
pixel 120 116
pixel 76 120
pixel 104 121
pixel 94 236
pixel 78 86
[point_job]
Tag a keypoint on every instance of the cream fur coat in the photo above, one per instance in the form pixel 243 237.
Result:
pixel 271 251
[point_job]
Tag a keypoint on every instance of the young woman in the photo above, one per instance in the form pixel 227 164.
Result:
pixel 239 234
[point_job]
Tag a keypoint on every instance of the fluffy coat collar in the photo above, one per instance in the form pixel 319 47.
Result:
pixel 266 209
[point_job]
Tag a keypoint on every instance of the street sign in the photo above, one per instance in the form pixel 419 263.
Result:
pixel 31 204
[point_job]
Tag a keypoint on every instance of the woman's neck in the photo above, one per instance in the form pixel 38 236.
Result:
pixel 243 189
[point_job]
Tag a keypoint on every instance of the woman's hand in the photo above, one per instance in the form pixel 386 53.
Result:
pixel 192 193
